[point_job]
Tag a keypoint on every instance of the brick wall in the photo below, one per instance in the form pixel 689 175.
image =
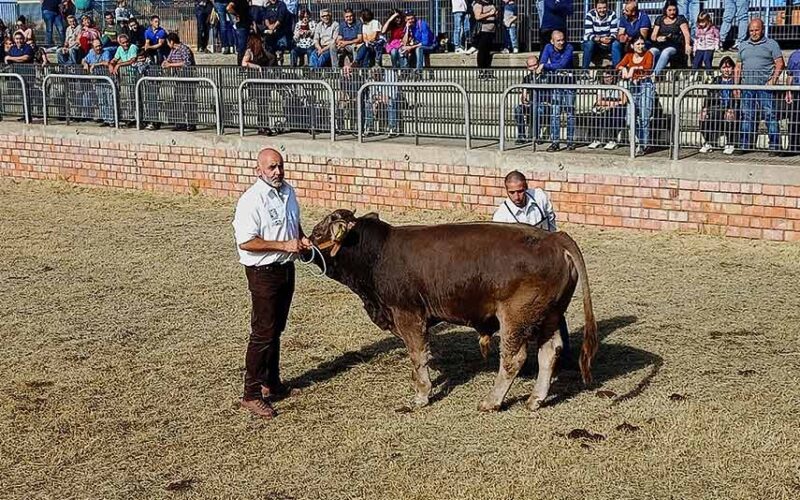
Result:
pixel 646 202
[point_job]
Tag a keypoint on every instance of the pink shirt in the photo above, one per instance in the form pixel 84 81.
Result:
pixel 706 38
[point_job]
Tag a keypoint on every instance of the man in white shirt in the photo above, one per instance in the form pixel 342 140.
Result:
pixel 269 238
pixel 531 206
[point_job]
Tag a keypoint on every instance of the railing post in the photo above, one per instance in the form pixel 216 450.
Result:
pixel 24 88
pixel 60 76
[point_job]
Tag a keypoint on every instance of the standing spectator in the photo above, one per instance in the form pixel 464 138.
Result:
pixel 382 98
pixel 125 55
pixel 793 100
pixel 20 52
pixel 532 104
pixel 71 51
pixel 485 15
pixel 556 64
pixel 277 27
pixel 325 34
pixel 226 34
pixel 554 18
pixel 691 9
pixel 51 14
pixel 83 8
pixel 395 28
pixel 136 32
pixel 608 114
pixel 633 23
pixel 671 38
pixel 760 63
pixel 292 7
pixel 67 8
pixel 155 41
pixel 738 11
pixel 510 21
pixel 418 40
pixel 461 25
pixel 184 109
pixel 240 10
pixel 97 57
pixel 122 14
pixel 349 41
pixel 636 69
pixel 303 39
pixel 600 29
pixel 720 113
pixel 202 12
pixel 706 42
pixel 257 57
pixel 373 38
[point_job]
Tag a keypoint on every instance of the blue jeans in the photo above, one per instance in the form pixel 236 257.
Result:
pixel 690 10
pixel 521 114
pixel 53 18
pixel 662 57
pixel 299 55
pixel 563 101
pixel 419 57
pixel 105 103
pixel 512 42
pixel 703 59
pixel 590 47
pixel 643 98
pixel 764 99
pixel 73 56
pixel 226 33
pixel 734 11
pixel 320 60
pixel 241 43
pixel 397 59
pixel 369 114
pixel 461 29
pixel 374 53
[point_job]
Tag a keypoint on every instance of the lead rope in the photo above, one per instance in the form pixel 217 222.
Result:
pixel 315 249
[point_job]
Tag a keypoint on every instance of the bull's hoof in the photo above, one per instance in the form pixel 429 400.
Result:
pixel 534 404
pixel 419 401
pixel 487 406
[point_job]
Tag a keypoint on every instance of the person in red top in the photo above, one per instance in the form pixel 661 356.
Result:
pixel 395 28
pixel 637 67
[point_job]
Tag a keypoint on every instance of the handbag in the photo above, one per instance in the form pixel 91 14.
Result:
pixel 213 18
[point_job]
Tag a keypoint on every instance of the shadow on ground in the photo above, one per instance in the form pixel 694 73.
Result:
pixel 457 357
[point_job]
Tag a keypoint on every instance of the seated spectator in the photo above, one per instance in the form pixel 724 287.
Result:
pixel 125 55
pixel 98 58
pixel 706 42
pixel 636 69
pixel 277 27
pixel 87 35
pixel 608 114
pixel 109 34
pixel 4 33
pixel 70 53
pixel 720 113
pixel 184 110
pixel 303 38
pixel 22 27
pixel 349 41
pixel 418 41
pixel 256 57
pixel 671 39
pixel 374 41
pixel 394 28
pixel 381 99
pixel 556 64
pixel 532 104
pixel 600 29
pixel 325 34
pixel 155 41
pixel 632 24
pixel 136 32
pixel 20 52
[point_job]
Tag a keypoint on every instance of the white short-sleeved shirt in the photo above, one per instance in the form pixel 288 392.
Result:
pixel 271 215
pixel 538 211
pixel 461 5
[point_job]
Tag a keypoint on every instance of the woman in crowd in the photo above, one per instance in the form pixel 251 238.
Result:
pixel 303 38
pixel 394 28
pixel 720 113
pixel 636 68
pixel 22 27
pixel 371 30
pixel 257 57
pixel 609 114
pixel 486 16
pixel 671 38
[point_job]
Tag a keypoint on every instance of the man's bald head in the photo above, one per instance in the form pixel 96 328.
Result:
pixel 756 29
pixel 531 62
pixel 270 167
pixel 516 186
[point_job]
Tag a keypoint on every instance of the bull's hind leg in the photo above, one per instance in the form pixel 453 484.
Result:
pixel 513 351
pixel 413 331
pixel 548 357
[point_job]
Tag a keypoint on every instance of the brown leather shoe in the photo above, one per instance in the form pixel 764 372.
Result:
pixel 278 392
pixel 259 407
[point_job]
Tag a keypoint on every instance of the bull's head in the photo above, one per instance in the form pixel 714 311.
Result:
pixel 332 230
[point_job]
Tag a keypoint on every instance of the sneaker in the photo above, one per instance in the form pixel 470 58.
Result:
pixel 258 407
pixel 571 147
pixel 504 51
pixel 553 147
pixel 152 126
pixel 595 144
pixel 179 128
pixel 191 128
pixel 610 145
pixel 520 141
pixel 706 148
pixel 516 51
pixel 639 151
pixel 471 51
pixel 729 149
pixel 393 133
pixel 459 50
pixel 105 124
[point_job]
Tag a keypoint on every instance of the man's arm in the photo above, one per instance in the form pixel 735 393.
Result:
pixel 257 244
pixel 776 72
pixel 549 212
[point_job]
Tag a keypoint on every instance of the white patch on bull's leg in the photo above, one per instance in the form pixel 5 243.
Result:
pixel 513 353
pixel 420 376
pixel 485 342
pixel 548 356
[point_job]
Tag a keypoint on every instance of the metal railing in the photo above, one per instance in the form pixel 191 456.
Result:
pixel 630 113
pixel 107 79
pixel 178 80
pixel 399 86
pixel 25 109
pixel 311 114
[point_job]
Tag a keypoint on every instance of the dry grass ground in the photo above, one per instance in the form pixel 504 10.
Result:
pixel 124 317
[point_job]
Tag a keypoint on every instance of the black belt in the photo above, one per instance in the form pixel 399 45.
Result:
pixel 274 265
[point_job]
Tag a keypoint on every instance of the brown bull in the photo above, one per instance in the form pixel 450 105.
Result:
pixel 508 277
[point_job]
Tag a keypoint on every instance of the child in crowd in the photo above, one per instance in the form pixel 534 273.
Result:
pixel 510 23
pixel 122 14
pixel 706 41
pixel 609 113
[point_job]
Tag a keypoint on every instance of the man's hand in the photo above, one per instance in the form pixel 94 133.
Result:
pixel 730 115
pixel 296 246
pixel 788 97
pixel 305 243
pixel 703 115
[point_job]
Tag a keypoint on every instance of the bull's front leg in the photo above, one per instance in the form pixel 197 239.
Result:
pixel 412 330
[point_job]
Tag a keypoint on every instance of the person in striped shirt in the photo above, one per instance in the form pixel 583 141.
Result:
pixel 600 35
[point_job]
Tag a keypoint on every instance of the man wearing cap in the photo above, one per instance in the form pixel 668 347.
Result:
pixel 533 207
pixel 269 238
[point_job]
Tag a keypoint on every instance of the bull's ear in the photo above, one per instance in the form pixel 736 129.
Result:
pixel 371 215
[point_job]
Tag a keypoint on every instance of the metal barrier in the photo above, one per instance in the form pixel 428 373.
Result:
pixel 176 79
pixel 107 79
pixel 25 110
pixel 398 85
pixel 631 112
pixel 270 81
pixel 676 126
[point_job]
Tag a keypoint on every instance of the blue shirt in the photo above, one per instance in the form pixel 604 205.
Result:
pixel 26 50
pixel 93 57
pixel 553 60
pixel 556 13
pixel 422 33
pixel 291 6
pixel 633 28
pixel 155 36
pixel 793 66
pixel 349 32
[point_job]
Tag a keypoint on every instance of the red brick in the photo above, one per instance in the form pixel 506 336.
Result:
pixel 771 234
pixel 791 235
pixel 772 189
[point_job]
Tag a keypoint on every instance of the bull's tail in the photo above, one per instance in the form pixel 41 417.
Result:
pixel 590 340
